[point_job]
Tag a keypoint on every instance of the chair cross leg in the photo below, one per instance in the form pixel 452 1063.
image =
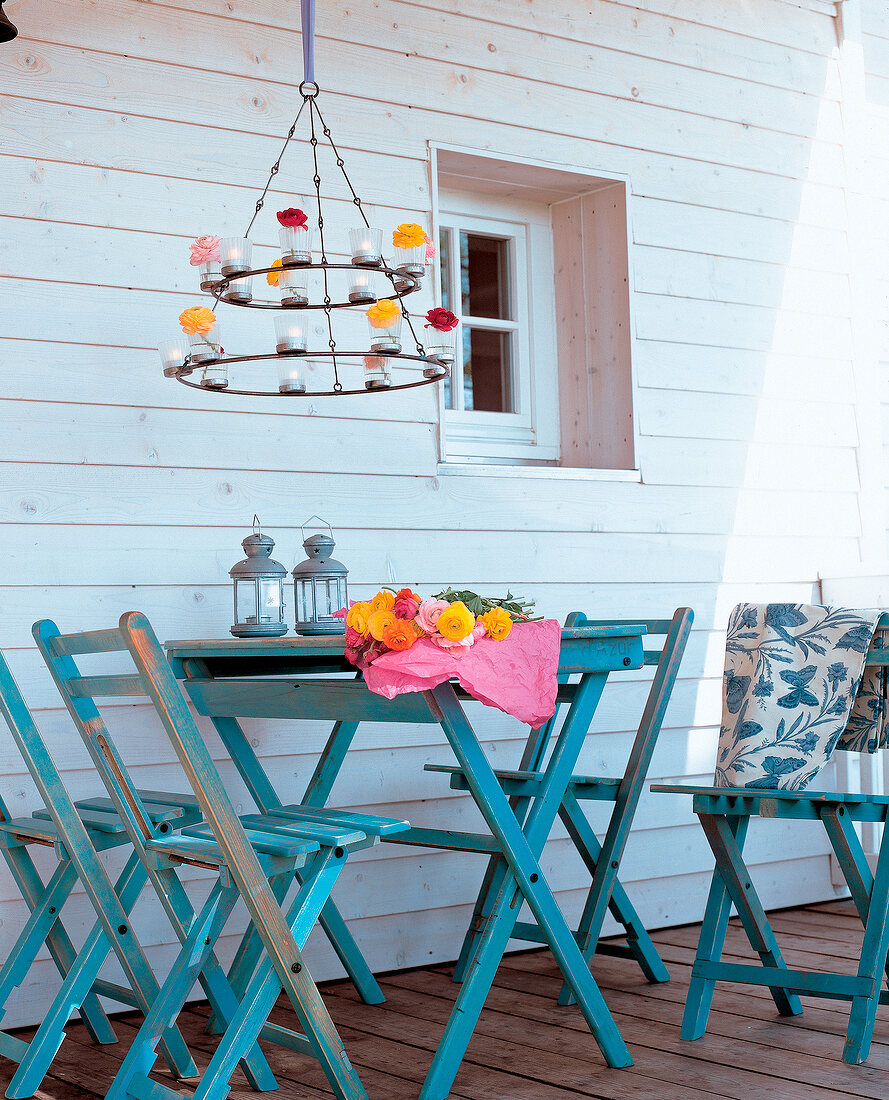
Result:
pixel 732 870
pixel 872 962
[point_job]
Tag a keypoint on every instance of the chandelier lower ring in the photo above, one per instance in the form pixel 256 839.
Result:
pixel 436 372
pixel 218 287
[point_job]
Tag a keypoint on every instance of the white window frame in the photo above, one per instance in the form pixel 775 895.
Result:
pixel 531 433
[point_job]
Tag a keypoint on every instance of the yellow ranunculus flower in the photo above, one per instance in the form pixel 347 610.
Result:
pixel 384 313
pixel 198 319
pixel 456 621
pixel 358 615
pixel 409 235
pixel 379 622
pixel 383 601
pixel 498 623
pixel 272 276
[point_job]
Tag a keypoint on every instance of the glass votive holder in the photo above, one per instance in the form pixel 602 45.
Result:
pixel 235 255
pixel 296 244
pixel 386 340
pixel 290 378
pixel 443 347
pixel 293 288
pixel 205 347
pixel 291 337
pixel 366 246
pixel 215 376
pixel 241 290
pixel 210 273
pixel 361 292
pixel 377 375
pixel 173 353
pixel 411 261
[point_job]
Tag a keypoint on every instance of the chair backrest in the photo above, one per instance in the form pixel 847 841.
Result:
pixel 153 677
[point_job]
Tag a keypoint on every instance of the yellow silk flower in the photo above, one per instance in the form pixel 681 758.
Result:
pixel 456 621
pixel 198 319
pixel 498 623
pixel 379 622
pixel 272 276
pixel 384 314
pixel 409 235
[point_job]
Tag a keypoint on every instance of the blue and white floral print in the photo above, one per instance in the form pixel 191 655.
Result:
pixel 796 687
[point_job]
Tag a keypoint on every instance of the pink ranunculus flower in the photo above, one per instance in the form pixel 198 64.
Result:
pixel 479 630
pixel 430 249
pixel 455 648
pixel 204 250
pixel 429 612
pixel 405 608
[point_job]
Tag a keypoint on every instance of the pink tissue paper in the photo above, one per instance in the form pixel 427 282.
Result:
pixel 517 674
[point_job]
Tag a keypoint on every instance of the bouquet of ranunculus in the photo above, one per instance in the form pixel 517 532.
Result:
pixel 452 620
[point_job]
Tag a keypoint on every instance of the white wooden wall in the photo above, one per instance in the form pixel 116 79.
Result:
pixel 130 127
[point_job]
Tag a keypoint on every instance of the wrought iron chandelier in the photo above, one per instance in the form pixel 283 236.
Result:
pixel 369 281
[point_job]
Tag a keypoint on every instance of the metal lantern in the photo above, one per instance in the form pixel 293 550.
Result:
pixel 258 583
pixel 319 585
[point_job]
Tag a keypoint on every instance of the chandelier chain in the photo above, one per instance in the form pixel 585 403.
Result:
pixel 273 171
pixel 340 163
pixel 316 179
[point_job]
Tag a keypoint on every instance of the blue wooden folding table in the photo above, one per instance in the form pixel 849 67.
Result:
pixel 292 679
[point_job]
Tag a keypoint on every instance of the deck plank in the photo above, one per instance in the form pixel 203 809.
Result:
pixel 527 1047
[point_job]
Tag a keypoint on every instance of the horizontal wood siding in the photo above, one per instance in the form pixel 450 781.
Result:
pixel 130 127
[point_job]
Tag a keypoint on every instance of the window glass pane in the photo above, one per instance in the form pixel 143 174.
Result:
pixel 487 370
pixel 444 267
pixel 484 276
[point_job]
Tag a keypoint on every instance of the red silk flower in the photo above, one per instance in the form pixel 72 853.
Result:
pixel 292 218
pixel 441 319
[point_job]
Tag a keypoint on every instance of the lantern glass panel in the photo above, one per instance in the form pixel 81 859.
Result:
pixel 245 602
pixel 270 601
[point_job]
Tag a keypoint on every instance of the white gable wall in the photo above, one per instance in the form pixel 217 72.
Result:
pixel 128 128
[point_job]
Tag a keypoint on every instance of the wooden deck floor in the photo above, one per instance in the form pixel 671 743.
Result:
pixel 528 1048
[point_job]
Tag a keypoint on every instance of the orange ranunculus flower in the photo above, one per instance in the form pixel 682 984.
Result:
pixel 409 235
pixel 408 594
pixel 400 635
pixel 498 623
pixel 456 622
pixel 384 313
pixel 358 615
pixel 198 319
pixel 272 276
pixel 379 621
pixel 383 601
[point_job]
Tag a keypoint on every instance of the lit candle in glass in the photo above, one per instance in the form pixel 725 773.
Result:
pixel 172 353
pixel 290 379
pixel 360 292
pixel 366 246
pixel 290 335
pixel 235 254
pixel 377 375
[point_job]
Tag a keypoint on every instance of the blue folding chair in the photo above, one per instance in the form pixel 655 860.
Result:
pixel 77 833
pixel 602 859
pixel 254 857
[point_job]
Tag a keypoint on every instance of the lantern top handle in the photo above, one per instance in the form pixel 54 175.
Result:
pixel 257 526
pixel 305 524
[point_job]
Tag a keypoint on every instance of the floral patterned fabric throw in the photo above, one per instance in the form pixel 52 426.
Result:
pixel 796 687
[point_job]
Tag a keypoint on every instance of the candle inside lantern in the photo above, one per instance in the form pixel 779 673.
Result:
pixel 172 353
pixel 377 375
pixel 291 335
pixel 360 292
pixel 367 246
pixel 290 379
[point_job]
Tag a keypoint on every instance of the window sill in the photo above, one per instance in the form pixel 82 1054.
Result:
pixel 545 473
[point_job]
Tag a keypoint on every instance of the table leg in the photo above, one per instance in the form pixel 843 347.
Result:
pixel 525 877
